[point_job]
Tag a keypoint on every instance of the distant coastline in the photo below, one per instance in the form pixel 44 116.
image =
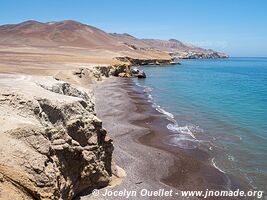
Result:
pixel 60 147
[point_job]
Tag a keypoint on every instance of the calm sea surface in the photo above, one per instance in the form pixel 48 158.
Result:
pixel 221 104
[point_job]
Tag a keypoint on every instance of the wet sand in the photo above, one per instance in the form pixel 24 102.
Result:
pixel 140 134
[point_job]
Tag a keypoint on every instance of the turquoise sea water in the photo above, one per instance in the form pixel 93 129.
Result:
pixel 221 103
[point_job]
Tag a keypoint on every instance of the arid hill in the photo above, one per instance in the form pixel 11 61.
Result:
pixel 164 45
pixel 71 33
pixel 65 33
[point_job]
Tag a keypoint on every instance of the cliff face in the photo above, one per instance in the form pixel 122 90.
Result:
pixel 52 144
pixel 101 72
pixel 134 61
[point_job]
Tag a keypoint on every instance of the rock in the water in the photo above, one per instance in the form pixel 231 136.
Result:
pixel 138 73
pixel 141 74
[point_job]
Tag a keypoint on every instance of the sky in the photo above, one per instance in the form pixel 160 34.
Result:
pixel 235 27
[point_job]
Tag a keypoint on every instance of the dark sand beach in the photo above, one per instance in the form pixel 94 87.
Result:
pixel 139 133
pixel 110 100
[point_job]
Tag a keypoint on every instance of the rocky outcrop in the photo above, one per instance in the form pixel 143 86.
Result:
pixel 52 145
pixel 100 72
pixel 197 55
pixel 121 68
pixel 139 61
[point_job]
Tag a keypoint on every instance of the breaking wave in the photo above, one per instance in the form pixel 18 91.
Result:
pixel 214 165
pixel 173 126
pixel 181 129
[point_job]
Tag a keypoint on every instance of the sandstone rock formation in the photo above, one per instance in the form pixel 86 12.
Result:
pixel 52 144
pixel 98 73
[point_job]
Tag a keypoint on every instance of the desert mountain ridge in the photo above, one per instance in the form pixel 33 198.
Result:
pixel 165 45
pixel 64 33
pixel 52 143
pixel 70 33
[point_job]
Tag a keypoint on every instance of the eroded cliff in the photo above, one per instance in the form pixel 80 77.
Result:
pixel 52 144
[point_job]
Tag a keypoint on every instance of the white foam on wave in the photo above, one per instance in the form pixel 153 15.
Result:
pixel 182 141
pixel 181 129
pixel 147 89
pixel 174 127
pixel 161 110
pixel 214 165
pixel 136 83
pixel 228 180
pixel 150 98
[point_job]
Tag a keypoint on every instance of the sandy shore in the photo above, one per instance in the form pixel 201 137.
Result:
pixel 139 132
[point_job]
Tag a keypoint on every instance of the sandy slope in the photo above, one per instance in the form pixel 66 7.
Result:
pixel 67 41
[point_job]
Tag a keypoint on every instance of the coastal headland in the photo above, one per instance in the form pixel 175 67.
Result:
pixel 69 126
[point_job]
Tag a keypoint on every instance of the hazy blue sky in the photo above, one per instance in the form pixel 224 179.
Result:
pixel 237 27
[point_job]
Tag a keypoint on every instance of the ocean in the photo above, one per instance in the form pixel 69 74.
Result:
pixel 220 105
